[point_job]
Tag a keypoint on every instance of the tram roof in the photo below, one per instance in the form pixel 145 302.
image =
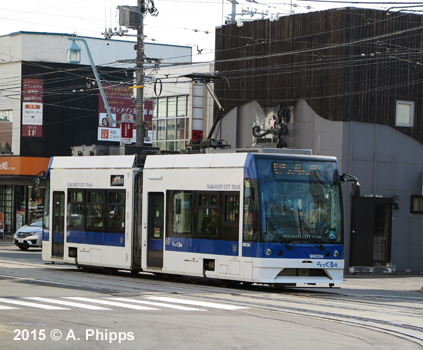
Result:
pixel 215 160
pixel 118 162
pixel 219 160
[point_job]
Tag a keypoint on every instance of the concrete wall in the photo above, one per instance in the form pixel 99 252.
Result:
pixel 387 164
pixel 10 99
pixel 237 125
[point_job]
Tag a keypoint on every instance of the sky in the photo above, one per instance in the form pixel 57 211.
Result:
pixel 179 22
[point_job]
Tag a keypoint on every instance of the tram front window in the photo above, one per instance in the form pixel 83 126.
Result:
pixel 300 201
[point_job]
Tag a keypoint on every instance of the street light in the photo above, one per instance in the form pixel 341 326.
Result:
pixel 73 54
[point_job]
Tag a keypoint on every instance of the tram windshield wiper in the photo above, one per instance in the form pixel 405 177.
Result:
pixel 279 236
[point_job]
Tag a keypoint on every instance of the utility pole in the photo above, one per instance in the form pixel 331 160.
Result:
pixel 139 125
pixel 133 17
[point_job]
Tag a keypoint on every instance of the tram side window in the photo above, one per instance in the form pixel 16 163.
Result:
pixel 95 209
pixel 251 209
pixel 182 212
pixel 76 214
pixel 231 208
pixel 116 211
pixel 207 214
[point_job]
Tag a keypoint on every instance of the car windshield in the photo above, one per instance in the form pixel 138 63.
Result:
pixel 37 223
pixel 300 201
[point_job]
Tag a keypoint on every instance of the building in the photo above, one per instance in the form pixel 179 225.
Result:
pixel 48 105
pixel 351 80
pixel 183 109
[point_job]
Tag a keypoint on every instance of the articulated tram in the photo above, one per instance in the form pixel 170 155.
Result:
pixel 272 218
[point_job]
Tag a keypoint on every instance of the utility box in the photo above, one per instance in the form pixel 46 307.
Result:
pixel 130 16
pixel 93 150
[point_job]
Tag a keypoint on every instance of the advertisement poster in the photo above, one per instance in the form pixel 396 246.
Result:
pixel 123 111
pixel 32 108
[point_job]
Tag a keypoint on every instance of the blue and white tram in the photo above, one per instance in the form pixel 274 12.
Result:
pixel 250 217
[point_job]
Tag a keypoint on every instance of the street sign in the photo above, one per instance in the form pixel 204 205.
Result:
pixel 127 132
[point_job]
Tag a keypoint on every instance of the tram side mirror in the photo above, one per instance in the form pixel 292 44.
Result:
pixel 356 186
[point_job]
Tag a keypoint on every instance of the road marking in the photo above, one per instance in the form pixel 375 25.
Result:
pixel 170 306
pixel 199 303
pixel 26 303
pixel 134 304
pixel 111 303
pixel 8 308
pixel 67 303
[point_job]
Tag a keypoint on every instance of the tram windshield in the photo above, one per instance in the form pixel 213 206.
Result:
pixel 300 201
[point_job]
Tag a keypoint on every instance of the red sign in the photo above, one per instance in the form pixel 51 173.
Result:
pixel 32 130
pixel 32 108
pixel 33 90
pixel 127 130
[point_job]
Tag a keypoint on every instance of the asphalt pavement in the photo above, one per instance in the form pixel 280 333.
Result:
pixel 402 284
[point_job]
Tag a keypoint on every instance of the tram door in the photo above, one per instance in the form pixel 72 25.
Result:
pixel 155 229
pixel 58 229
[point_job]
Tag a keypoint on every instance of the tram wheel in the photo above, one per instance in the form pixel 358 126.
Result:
pixel 226 283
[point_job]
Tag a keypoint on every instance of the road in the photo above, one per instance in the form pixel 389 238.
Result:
pixel 50 306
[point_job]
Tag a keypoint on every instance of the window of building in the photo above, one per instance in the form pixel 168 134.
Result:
pixel 170 123
pixel 416 204
pixel 6 116
pixel 404 114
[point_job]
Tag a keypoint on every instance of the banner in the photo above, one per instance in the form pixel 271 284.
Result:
pixel 32 108
pixel 123 109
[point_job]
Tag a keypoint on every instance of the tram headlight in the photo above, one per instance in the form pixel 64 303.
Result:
pixel 269 251
pixel 335 253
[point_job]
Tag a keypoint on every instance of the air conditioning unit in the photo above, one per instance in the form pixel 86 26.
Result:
pixel 130 16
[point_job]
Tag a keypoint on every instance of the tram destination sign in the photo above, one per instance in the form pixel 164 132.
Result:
pixel 322 172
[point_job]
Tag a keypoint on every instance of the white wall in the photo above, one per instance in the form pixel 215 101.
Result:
pixel 10 99
pixel 52 47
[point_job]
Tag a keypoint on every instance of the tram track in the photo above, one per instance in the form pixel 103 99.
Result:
pixel 399 317
pixel 410 332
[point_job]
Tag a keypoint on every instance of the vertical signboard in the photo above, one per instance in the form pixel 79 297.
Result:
pixel 148 121
pixel 32 108
pixel 127 128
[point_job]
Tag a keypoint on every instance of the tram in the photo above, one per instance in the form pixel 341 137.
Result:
pixel 268 218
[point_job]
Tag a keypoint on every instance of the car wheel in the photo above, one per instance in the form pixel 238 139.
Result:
pixel 24 246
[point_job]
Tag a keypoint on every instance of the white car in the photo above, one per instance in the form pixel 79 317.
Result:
pixel 29 235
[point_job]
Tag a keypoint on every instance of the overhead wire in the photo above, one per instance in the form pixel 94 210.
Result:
pixel 305 51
